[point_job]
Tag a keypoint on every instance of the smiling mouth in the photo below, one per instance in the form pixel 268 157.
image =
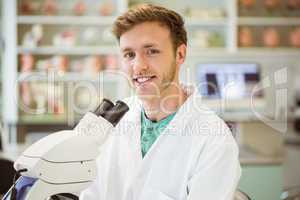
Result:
pixel 143 79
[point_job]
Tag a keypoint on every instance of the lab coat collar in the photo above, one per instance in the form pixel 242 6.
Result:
pixel 174 128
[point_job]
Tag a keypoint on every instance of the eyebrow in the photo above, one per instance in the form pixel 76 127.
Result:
pixel 145 46
pixel 149 45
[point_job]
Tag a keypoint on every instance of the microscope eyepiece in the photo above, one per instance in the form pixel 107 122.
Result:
pixel 110 112
pixel 115 114
pixel 105 106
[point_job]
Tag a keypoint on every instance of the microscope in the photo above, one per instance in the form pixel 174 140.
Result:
pixel 63 164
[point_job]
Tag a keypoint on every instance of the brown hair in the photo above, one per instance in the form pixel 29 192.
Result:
pixel 152 13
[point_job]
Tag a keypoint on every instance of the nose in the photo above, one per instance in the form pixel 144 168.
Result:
pixel 139 64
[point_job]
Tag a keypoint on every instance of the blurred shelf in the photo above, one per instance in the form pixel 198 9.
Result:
pixel 237 110
pixel 297 113
pixel 107 77
pixel 192 50
pixel 248 156
pixel 77 50
pixel 13 151
pixel 248 116
pixel 198 51
pixel 263 51
pixel 245 116
pixel 263 21
pixel 206 22
pixel 66 20
pixel 238 116
pixel 43 119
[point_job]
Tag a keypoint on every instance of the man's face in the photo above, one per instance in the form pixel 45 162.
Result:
pixel 148 58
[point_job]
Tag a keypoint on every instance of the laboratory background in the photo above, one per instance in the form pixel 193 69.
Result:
pixel 59 59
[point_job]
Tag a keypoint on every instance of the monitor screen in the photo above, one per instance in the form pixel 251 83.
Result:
pixel 227 80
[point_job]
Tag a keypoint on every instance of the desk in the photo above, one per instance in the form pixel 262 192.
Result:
pixel 261 175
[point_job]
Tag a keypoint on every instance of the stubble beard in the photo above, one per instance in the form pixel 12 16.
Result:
pixel 161 88
pixel 168 78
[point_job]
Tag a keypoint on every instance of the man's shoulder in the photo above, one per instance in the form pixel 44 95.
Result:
pixel 200 113
pixel 204 121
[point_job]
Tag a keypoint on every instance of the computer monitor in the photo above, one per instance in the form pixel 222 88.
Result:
pixel 228 80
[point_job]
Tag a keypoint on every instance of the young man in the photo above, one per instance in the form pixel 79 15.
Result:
pixel 168 146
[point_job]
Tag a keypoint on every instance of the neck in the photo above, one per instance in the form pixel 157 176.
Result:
pixel 167 103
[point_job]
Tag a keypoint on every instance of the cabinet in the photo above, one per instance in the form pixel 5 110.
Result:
pixel 269 24
pixel 59 50
pixel 49 43
pixel 262 182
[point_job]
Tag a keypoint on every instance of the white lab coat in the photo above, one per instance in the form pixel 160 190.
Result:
pixel 194 158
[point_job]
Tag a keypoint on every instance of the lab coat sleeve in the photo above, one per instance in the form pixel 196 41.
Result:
pixel 217 170
pixel 92 192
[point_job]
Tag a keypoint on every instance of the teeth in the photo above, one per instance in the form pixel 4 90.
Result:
pixel 143 79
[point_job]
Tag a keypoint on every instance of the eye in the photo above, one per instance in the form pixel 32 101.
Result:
pixel 129 54
pixel 152 51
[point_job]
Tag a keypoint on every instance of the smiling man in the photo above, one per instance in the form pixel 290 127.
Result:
pixel 169 146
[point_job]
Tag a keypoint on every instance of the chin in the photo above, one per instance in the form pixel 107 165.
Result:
pixel 145 94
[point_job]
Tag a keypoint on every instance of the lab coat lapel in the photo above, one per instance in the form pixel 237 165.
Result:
pixel 170 136
pixel 135 138
pixel 133 130
pixel 175 129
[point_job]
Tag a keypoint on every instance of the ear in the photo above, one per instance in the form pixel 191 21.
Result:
pixel 180 54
